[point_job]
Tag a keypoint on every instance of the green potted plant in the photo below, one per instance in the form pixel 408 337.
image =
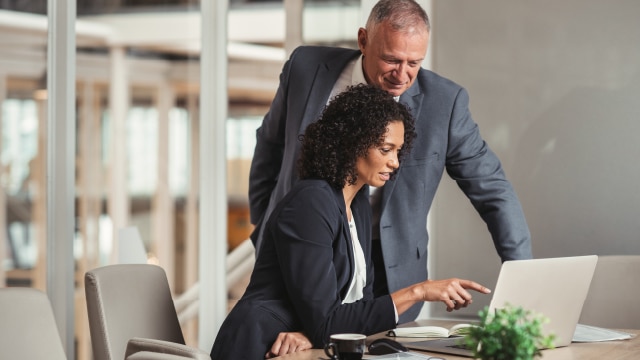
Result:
pixel 510 333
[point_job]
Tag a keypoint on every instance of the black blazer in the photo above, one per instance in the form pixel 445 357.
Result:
pixel 302 274
pixel 447 139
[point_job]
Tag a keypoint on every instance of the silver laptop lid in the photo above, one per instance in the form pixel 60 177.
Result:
pixel 556 288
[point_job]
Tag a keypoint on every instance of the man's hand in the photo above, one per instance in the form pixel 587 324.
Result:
pixel 287 343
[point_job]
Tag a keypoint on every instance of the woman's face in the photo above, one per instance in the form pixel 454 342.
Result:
pixel 376 168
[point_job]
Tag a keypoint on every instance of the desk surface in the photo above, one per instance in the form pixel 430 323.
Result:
pixel 619 350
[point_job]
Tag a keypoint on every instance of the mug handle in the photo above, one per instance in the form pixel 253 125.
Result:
pixel 333 354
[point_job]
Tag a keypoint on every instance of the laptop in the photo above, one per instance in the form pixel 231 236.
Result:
pixel 556 288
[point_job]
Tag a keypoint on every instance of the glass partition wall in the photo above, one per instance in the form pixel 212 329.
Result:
pixel 136 146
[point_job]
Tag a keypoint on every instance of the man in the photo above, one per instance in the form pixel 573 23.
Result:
pixel 391 49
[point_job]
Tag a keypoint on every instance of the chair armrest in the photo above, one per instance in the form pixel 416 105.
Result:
pixel 147 355
pixel 137 345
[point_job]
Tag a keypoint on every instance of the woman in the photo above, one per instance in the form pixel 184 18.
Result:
pixel 313 275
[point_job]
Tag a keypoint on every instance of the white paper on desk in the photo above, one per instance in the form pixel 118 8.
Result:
pixel 587 333
pixel 408 355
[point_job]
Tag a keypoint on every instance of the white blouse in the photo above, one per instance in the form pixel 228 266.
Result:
pixel 359 279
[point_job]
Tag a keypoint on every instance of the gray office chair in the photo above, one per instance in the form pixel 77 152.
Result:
pixel 132 314
pixel 612 301
pixel 27 327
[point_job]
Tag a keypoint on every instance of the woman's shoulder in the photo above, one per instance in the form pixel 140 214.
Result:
pixel 308 199
pixel 311 193
pixel 311 187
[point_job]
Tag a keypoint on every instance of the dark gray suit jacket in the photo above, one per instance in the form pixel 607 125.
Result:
pixel 302 274
pixel 448 138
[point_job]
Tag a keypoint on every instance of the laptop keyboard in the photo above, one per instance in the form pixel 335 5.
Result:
pixel 460 346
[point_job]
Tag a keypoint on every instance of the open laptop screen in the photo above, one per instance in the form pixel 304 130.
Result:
pixel 555 288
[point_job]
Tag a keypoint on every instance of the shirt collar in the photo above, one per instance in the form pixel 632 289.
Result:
pixel 357 76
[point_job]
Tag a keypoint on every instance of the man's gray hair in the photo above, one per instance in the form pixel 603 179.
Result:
pixel 401 14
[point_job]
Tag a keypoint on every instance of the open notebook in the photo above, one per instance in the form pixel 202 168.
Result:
pixel 431 331
pixel 553 287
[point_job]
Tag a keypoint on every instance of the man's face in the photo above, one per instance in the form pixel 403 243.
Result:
pixel 392 58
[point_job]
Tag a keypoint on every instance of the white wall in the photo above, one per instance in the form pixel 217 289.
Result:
pixel 555 89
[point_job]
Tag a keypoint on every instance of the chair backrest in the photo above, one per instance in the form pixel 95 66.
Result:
pixel 612 301
pixel 27 325
pixel 126 301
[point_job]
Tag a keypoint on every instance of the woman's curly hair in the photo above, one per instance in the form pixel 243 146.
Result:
pixel 352 123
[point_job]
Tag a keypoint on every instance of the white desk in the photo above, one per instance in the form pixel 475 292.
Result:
pixel 619 350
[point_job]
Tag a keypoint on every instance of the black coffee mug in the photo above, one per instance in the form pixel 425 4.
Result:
pixel 346 347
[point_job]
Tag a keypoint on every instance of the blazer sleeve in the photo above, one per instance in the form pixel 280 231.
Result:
pixel 478 172
pixel 310 244
pixel 268 153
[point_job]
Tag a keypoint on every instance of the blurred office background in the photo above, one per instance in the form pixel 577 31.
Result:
pixel 554 87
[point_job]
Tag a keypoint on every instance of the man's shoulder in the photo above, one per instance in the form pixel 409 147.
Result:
pixel 324 50
pixel 428 78
pixel 323 53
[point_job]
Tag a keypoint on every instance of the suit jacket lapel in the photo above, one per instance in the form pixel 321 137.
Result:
pixel 326 75
pixel 413 99
pixel 349 263
pixel 359 216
